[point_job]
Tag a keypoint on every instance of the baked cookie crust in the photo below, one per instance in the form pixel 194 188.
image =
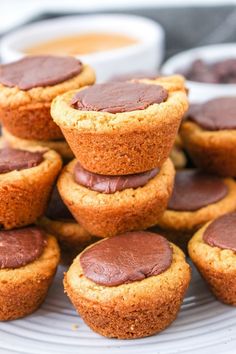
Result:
pixel 179 226
pixel 22 290
pixel 123 143
pixel 24 194
pixel 26 114
pixel 106 215
pixel 217 266
pixel 213 151
pixel 133 310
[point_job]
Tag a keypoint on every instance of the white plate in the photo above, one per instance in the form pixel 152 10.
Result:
pixel 203 326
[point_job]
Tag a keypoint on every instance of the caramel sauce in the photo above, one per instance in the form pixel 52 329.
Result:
pixel 81 44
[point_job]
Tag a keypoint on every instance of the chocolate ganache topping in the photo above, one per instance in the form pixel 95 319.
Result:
pixel 222 232
pixel 14 159
pixel 126 258
pixel 39 71
pixel 111 184
pixel 216 114
pixel 194 190
pixel 117 97
pixel 20 247
pixel 57 210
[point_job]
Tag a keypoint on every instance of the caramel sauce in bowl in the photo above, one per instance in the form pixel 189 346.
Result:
pixel 80 44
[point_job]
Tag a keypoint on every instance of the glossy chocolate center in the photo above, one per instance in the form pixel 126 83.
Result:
pixel 39 71
pixel 111 184
pixel 194 190
pixel 14 159
pixel 57 210
pixel 217 114
pixel 117 97
pixel 222 232
pixel 20 247
pixel 126 258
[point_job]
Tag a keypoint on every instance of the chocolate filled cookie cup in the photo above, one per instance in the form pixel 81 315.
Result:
pixel 108 205
pixel 213 251
pixel 196 199
pixel 27 88
pixel 122 299
pixel 60 146
pixel 209 136
pixel 71 236
pixel 28 262
pixel 121 128
pixel 26 180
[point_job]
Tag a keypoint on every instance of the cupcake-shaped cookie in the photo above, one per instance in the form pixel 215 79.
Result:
pixel 121 128
pixel 58 221
pixel 26 180
pixel 59 146
pixel 209 135
pixel 27 88
pixel 213 251
pixel 28 262
pixel 108 205
pixel 128 286
pixel 196 199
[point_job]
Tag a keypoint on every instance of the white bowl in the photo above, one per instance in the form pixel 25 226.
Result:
pixel 198 91
pixel 146 55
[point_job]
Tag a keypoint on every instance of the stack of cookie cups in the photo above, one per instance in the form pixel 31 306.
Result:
pixel 121 134
pixel 29 167
pixel 25 99
pixel 28 256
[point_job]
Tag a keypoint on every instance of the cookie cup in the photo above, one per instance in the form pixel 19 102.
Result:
pixel 22 290
pixel 106 215
pixel 217 266
pixel 122 143
pixel 71 236
pixel 133 310
pixel 179 226
pixel 213 151
pixel 26 114
pixel 59 146
pixel 24 194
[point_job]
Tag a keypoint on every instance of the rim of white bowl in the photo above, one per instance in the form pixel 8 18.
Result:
pixel 210 53
pixel 18 36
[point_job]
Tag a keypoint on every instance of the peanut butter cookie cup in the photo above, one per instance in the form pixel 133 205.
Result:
pixel 196 199
pixel 209 135
pixel 121 128
pixel 28 262
pixel 26 180
pixel 126 299
pixel 213 251
pixel 108 205
pixel 27 88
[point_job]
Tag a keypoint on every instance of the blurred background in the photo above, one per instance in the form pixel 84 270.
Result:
pixel 187 23
pixel 180 26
